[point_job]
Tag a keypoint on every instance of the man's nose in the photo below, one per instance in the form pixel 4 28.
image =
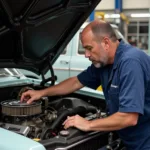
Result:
pixel 87 54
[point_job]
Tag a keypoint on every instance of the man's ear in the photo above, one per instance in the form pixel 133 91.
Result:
pixel 106 43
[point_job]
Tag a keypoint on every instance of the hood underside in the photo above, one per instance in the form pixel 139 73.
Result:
pixel 33 33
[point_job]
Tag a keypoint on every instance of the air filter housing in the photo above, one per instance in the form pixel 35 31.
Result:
pixel 20 109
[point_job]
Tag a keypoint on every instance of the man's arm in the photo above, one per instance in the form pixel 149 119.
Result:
pixel 68 86
pixel 116 121
pixel 65 87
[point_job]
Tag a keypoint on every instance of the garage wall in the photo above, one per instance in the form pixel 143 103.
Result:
pixel 136 4
pixel 127 4
pixel 106 5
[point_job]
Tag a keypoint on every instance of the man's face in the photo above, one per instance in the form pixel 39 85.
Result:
pixel 94 50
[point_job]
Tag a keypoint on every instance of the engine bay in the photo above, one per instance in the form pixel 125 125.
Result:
pixel 43 119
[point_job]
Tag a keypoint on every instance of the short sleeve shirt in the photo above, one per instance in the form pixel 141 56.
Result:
pixel 126 86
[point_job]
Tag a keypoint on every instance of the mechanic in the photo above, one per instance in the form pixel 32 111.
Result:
pixel 124 73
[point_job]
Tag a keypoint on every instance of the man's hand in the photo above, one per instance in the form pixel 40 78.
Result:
pixel 78 122
pixel 30 96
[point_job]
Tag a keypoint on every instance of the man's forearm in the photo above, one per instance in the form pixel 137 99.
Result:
pixel 68 86
pixel 114 122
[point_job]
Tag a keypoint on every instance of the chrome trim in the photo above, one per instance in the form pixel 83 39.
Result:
pixel 75 69
pixel 61 69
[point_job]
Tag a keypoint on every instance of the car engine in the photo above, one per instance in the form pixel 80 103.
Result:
pixel 32 120
pixel 28 120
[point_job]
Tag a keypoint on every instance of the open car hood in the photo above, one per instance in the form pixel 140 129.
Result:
pixel 33 33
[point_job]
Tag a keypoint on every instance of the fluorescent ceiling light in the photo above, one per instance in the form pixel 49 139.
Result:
pixel 140 15
pixel 112 15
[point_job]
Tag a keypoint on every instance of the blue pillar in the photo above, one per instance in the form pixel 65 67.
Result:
pixel 92 16
pixel 118 10
pixel 118 6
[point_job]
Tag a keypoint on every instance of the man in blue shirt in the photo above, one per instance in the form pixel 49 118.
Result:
pixel 124 73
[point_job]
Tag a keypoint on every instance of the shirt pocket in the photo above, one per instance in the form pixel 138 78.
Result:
pixel 113 102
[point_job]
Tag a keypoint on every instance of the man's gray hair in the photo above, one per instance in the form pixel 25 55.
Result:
pixel 102 29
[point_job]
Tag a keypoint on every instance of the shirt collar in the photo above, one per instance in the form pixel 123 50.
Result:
pixel 118 54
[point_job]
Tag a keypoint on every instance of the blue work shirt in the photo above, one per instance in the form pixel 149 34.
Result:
pixel 126 87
